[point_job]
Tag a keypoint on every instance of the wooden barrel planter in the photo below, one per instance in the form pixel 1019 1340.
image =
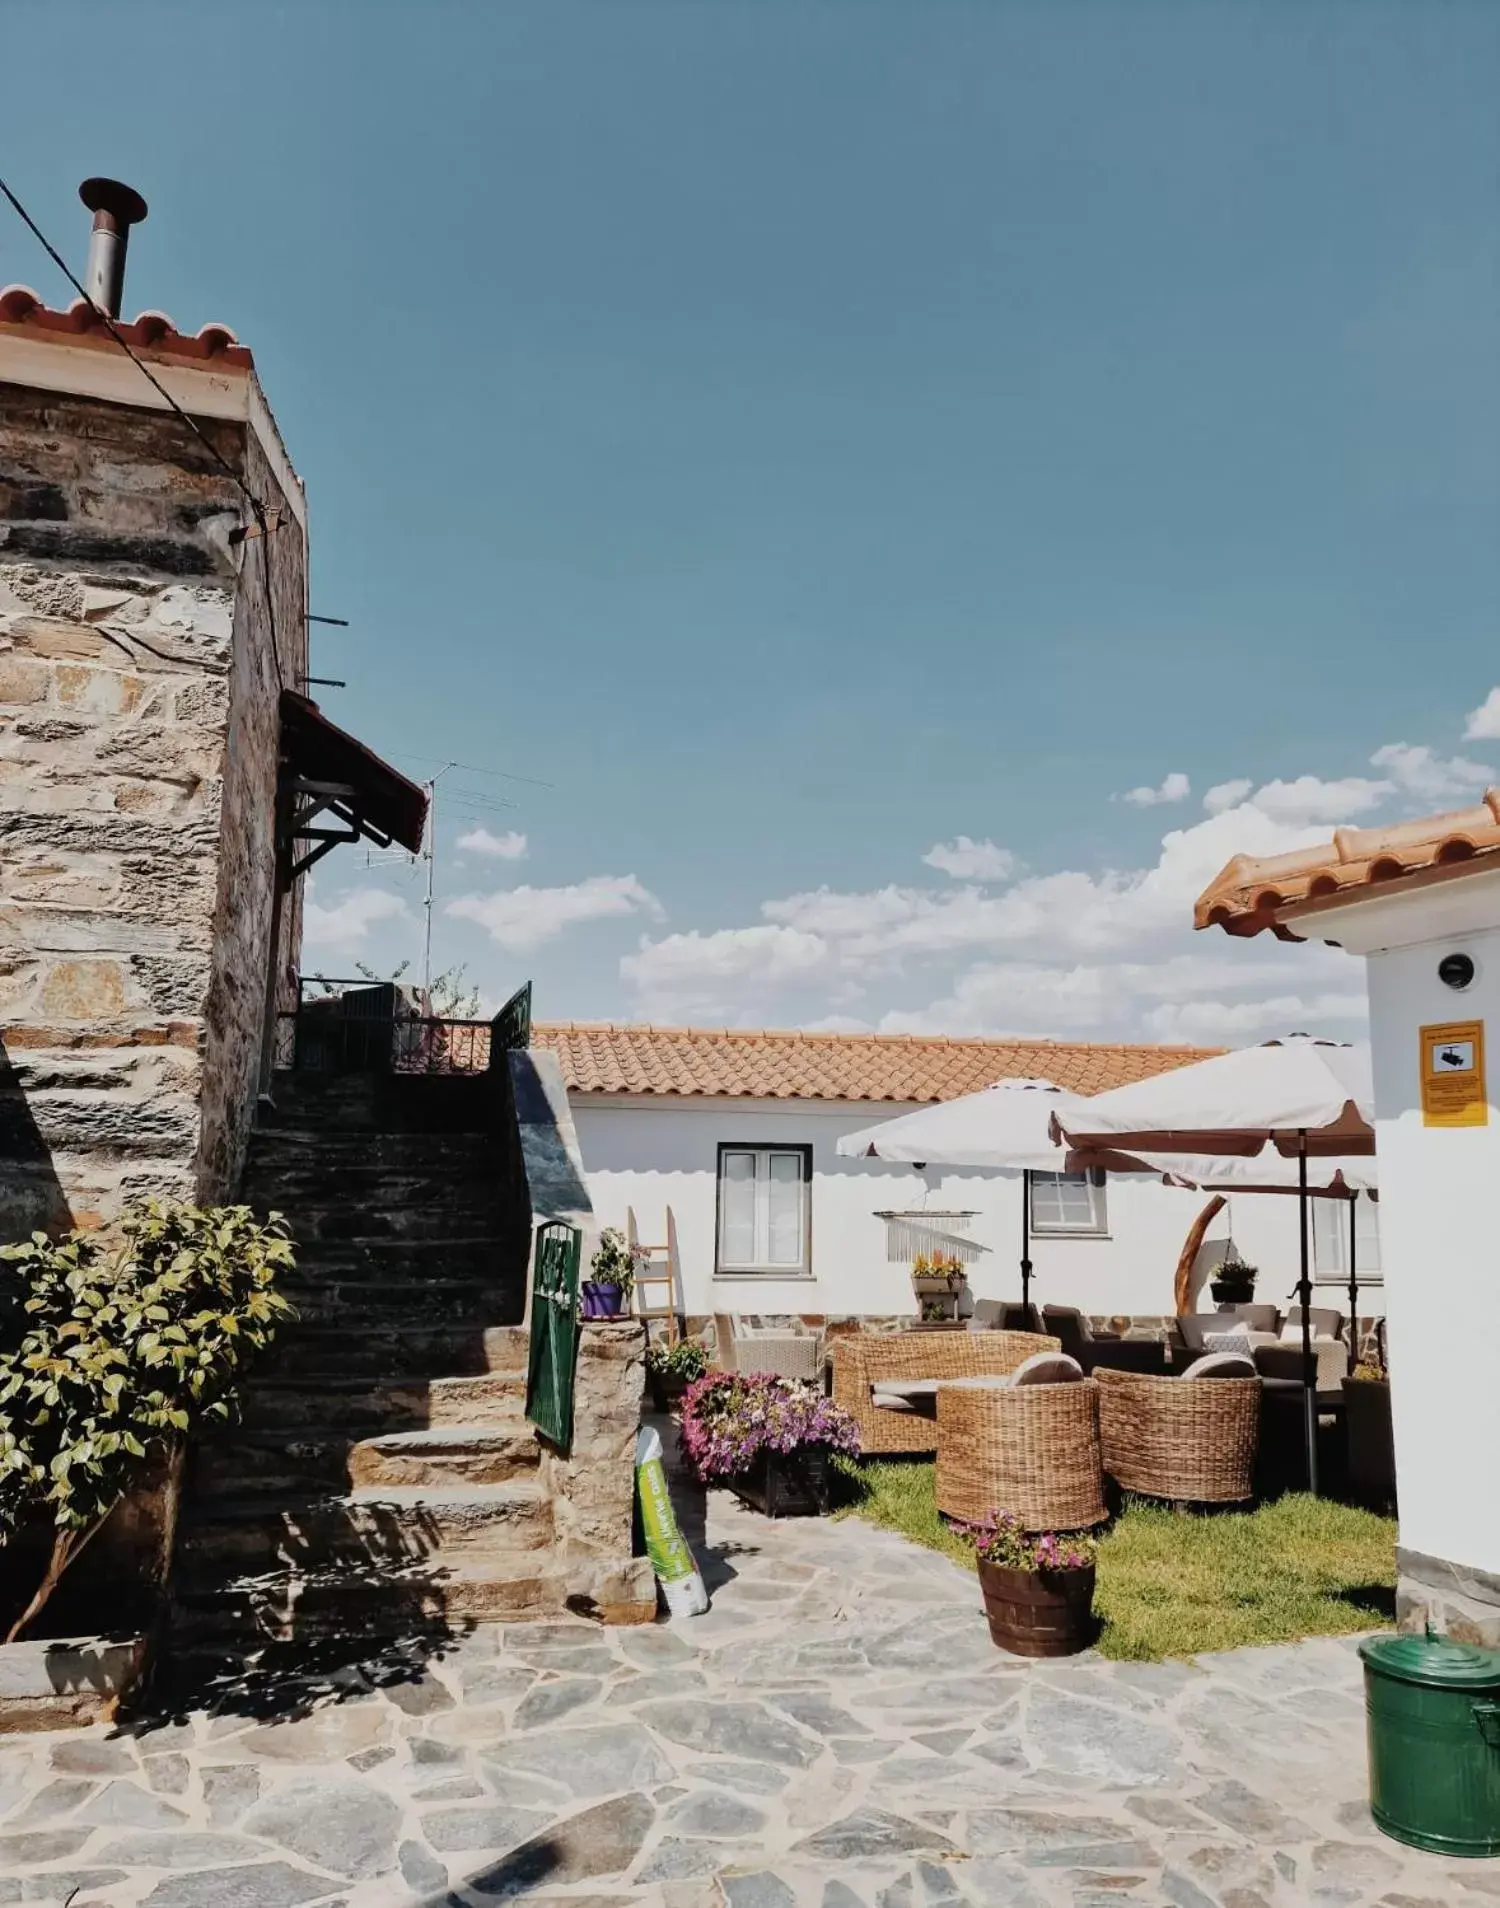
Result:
pixel 786 1483
pixel 1039 1612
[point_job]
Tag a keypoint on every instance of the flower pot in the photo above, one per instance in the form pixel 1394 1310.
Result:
pixel 786 1483
pixel 601 1301
pixel 666 1389
pixel 1039 1612
pixel 1372 1453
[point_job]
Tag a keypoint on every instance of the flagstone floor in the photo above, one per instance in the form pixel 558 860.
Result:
pixel 838 1732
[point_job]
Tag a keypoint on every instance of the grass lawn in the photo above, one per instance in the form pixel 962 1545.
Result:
pixel 1170 1584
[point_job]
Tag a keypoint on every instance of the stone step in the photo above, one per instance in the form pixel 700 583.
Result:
pixel 381 1102
pixel 316 1352
pixel 465 1256
pixel 496 1397
pixel 297 1606
pixel 429 1303
pixel 275 1146
pixel 244 1464
pixel 375 1531
pixel 356 1221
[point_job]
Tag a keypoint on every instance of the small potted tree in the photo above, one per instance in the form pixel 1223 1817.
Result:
pixel 670 1369
pixel 607 1293
pixel 768 1438
pixel 1038 1587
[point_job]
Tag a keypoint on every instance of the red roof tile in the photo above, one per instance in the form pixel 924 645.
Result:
pixel 152 333
pixel 750 1064
pixel 1257 892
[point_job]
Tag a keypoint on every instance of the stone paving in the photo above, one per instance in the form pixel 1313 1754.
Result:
pixel 838 1732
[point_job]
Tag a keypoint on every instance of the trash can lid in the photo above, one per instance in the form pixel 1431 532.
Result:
pixel 1435 1661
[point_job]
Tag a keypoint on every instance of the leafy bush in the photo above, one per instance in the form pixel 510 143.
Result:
pixel 1001 1540
pixel 729 1419
pixel 112 1351
pixel 686 1359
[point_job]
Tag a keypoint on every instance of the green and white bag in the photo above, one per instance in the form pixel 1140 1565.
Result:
pixel 681 1585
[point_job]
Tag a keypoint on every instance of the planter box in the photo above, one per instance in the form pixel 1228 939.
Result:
pixel 1372 1451
pixel 1039 1612
pixel 790 1485
pixel 66 1682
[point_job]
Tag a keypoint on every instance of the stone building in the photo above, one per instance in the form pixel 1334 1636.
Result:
pixel 153 644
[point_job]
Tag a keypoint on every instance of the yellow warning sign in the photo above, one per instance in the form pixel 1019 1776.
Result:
pixel 1453 1089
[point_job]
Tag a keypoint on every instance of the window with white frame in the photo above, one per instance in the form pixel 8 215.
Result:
pixel 1071 1203
pixel 1330 1231
pixel 765 1210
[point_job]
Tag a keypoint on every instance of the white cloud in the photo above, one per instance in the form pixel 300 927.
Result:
pixel 348 922
pixel 1309 799
pixel 1483 724
pixel 507 847
pixel 1418 770
pixel 969 860
pixel 1174 788
pixel 1227 795
pixel 521 919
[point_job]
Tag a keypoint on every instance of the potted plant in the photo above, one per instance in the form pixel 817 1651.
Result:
pixel 670 1369
pixel 1367 1423
pixel 607 1293
pixel 1038 1587
pixel 936 1275
pixel 768 1438
pixel 1234 1282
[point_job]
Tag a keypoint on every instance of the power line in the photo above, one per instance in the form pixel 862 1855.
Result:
pixel 257 507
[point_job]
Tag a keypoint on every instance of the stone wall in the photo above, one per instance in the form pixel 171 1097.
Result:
pixel 270 627
pixel 128 659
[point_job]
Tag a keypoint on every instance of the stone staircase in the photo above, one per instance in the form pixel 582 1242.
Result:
pixel 383 1477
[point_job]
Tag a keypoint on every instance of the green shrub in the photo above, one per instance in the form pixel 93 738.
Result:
pixel 112 1351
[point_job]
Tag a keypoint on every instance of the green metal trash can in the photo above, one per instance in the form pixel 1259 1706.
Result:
pixel 1432 1708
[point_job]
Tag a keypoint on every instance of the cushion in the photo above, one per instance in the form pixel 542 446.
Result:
pixel 1047 1368
pixel 1222 1364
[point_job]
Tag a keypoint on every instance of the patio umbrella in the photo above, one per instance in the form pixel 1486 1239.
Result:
pixel 1298 1098
pixel 1344 1179
pixel 1006 1128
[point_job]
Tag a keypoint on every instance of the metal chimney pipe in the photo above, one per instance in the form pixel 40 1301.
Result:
pixel 115 208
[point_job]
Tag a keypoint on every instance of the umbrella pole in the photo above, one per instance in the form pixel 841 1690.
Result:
pixel 1026 1247
pixel 1304 1292
pixel 1353 1285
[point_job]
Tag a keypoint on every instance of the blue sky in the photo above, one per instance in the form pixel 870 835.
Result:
pixel 807 435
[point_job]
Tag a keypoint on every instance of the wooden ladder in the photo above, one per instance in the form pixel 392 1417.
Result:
pixel 656 1265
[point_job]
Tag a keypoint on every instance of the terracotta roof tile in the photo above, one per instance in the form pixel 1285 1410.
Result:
pixel 1258 892
pixel 152 333
pixel 713 1062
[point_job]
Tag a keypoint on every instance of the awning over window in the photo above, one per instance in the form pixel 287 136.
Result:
pixel 337 774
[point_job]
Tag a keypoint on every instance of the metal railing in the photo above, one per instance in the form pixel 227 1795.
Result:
pixel 359 1027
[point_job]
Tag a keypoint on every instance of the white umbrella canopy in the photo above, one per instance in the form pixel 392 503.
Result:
pixel 1007 1127
pixel 1296 1095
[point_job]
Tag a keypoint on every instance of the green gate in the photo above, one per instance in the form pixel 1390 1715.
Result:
pixel 554 1332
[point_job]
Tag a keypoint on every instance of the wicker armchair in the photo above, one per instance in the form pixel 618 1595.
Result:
pixel 1029 1449
pixel 786 1354
pixel 1190 1440
pixel 869 1358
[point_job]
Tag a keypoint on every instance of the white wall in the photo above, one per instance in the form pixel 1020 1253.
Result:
pixel 650 1153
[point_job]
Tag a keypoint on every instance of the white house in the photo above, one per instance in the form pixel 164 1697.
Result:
pixel 735 1132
